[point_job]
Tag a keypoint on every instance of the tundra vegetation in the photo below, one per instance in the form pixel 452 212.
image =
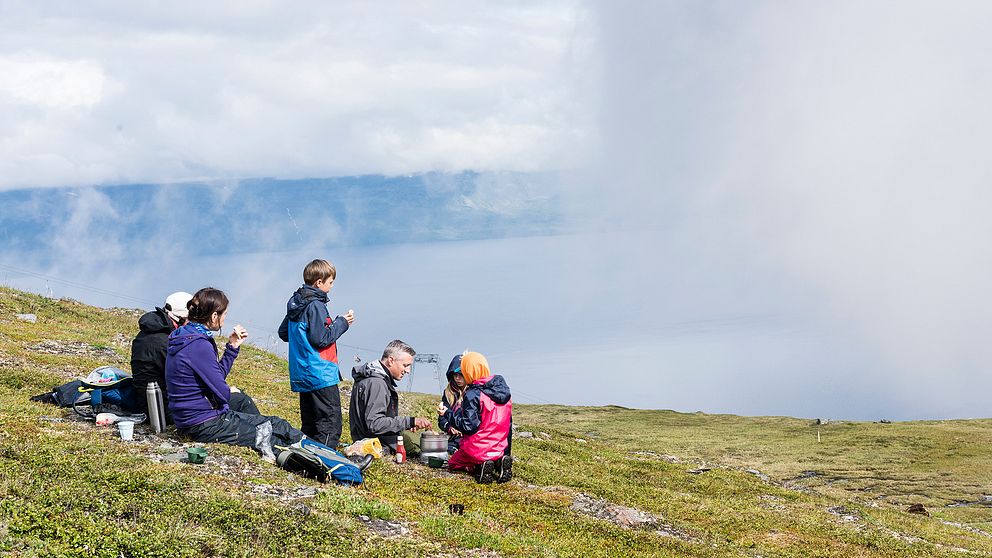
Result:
pixel 588 481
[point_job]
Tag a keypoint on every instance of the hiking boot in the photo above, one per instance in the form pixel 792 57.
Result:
pixel 485 472
pixel 504 469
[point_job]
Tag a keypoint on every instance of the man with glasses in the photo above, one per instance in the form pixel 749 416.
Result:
pixel 374 409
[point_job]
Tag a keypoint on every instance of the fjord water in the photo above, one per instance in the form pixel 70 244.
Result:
pixel 654 327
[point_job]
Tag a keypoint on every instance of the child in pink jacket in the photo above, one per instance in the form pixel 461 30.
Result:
pixel 484 421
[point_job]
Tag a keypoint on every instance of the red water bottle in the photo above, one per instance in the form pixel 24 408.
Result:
pixel 400 450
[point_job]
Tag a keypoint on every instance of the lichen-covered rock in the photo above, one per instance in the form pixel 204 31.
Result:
pixel 384 528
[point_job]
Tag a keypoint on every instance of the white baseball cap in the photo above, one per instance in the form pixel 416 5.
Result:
pixel 175 304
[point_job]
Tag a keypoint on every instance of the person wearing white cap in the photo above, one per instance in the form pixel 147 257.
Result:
pixel 149 346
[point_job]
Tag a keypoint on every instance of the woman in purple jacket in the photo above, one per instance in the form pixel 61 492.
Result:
pixel 197 383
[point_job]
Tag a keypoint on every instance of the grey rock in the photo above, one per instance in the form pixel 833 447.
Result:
pixel 175 457
pixel 845 513
pixel 285 494
pixel 384 528
pixel 628 518
pixel 27 317
pixel 758 474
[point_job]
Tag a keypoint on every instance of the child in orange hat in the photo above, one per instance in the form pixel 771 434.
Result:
pixel 484 419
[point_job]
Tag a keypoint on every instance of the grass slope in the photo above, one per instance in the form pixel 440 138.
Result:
pixel 68 488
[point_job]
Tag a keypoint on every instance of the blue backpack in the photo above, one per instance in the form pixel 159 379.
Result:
pixel 105 389
pixel 313 459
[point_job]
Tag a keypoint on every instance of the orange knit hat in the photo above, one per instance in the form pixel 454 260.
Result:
pixel 474 367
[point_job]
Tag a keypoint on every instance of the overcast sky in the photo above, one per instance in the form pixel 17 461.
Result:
pixel 814 165
pixel 119 92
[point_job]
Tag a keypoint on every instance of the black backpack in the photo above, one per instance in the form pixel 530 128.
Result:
pixel 303 463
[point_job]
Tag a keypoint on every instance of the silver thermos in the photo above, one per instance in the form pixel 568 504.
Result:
pixel 156 409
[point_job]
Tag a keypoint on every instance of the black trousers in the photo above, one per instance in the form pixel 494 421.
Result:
pixel 241 429
pixel 242 403
pixel 320 415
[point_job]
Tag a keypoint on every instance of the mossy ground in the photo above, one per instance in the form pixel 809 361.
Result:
pixel 71 489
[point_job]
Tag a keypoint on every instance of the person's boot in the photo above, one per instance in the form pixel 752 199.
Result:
pixel 485 472
pixel 504 469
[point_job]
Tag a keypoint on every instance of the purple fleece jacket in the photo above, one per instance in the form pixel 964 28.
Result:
pixel 195 380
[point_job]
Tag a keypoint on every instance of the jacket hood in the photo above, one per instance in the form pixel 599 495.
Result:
pixel 497 390
pixel 155 322
pixel 455 366
pixel 185 335
pixel 301 298
pixel 474 367
pixel 369 369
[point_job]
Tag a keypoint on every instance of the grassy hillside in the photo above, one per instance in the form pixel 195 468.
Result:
pixel 602 481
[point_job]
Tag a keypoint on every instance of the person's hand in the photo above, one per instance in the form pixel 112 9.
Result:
pixel 454 431
pixel 238 335
pixel 441 409
pixel 350 317
pixel 420 423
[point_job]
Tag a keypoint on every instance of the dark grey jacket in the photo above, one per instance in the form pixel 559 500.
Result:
pixel 374 405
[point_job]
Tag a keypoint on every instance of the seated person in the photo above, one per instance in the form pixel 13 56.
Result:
pixel 148 351
pixel 149 347
pixel 374 400
pixel 484 420
pixel 199 396
pixel 451 403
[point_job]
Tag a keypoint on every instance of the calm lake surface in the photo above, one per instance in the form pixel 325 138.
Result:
pixel 583 319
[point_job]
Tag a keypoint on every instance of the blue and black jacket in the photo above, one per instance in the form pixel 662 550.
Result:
pixel 312 337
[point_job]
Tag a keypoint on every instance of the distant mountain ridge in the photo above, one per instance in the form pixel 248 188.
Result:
pixel 269 214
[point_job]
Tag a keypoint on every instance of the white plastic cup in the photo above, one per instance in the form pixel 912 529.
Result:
pixel 126 428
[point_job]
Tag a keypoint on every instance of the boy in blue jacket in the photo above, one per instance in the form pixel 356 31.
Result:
pixel 313 353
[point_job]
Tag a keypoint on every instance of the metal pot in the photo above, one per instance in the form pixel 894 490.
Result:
pixel 432 443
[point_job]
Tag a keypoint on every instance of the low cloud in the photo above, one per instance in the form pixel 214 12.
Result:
pixel 828 162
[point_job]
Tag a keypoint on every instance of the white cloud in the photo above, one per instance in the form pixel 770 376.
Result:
pixel 125 93
pixel 91 231
pixel 48 83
